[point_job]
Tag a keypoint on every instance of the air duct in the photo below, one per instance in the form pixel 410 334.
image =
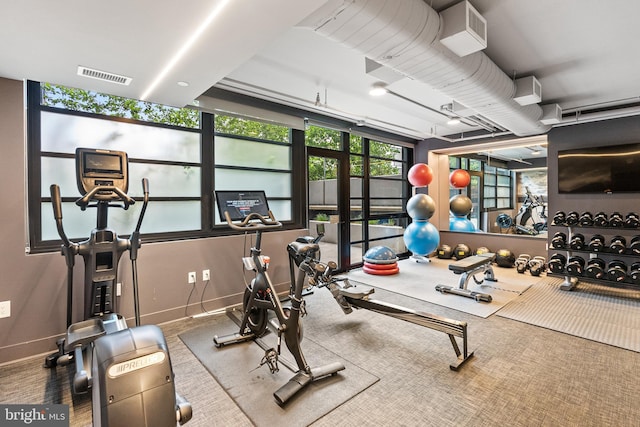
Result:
pixel 406 39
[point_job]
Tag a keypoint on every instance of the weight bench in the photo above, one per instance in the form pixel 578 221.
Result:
pixel 468 268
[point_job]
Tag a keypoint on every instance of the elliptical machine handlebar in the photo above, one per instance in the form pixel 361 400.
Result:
pixel 56 202
pixel 248 223
pixel 98 193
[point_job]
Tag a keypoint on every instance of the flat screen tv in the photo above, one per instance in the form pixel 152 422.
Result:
pixel 605 169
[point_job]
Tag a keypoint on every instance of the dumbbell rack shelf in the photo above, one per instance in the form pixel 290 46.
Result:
pixel 572 280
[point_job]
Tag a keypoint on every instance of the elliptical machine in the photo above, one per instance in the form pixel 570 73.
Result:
pixel 260 296
pixel 128 369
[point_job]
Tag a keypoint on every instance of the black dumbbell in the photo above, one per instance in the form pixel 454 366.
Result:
pixel 586 219
pixel 596 244
pixel 575 266
pixel 632 220
pixel 572 218
pixel 601 220
pixel 634 273
pixel 577 242
pixel 616 270
pixel 522 263
pixel 559 218
pixel 557 262
pixel 595 268
pixel 616 220
pixel 559 240
pixel 634 246
pixel 461 251
pixel 618 244
pixel 537 265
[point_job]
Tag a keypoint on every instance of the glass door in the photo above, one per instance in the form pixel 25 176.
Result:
pixel 326 208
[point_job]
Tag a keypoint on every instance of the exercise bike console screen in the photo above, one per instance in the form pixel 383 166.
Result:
pixel 239 204
pixel 101 168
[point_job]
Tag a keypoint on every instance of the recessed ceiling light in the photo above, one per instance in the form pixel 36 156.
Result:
pixel 378 89
pixel 183 84
pixel 453 121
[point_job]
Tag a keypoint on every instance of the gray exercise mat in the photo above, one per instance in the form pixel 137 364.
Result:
pixel 236 368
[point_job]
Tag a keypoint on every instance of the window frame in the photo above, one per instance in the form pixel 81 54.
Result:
pixel 35 244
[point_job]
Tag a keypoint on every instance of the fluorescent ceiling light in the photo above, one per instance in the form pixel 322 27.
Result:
pixel 453 121
pixel 185 47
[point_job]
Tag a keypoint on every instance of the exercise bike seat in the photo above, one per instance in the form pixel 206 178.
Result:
pixel 304 249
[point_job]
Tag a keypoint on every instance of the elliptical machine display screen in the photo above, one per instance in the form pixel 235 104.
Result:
pixel 101 168
pixel 239 204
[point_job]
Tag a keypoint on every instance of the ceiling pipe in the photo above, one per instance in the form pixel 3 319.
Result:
pixel 406 39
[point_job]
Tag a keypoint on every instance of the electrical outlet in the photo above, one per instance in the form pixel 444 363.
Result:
pixel 191 277
pixel 5 309
pixel 118 289
pixel 205 275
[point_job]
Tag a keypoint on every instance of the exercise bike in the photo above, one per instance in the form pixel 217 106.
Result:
pixel 260 296
pixel 531 218
pixel 128 370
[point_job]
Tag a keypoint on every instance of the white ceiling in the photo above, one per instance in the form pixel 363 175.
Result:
pixel 583 53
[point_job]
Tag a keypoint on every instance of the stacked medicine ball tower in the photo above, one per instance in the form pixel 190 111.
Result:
pixel 421 237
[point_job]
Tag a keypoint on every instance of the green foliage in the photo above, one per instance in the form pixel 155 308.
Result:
pixel 322 217
pixel 117 106
pixel 251 128
pixel 383 156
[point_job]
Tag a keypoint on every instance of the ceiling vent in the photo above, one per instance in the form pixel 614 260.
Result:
pixel 551 114
pixel 104 76
pixel 528 91
pixel 464 29
pixel 407 40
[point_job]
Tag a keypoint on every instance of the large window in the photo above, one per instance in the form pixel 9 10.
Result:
pixel 176 149
pixel 251 155
pixel 497 183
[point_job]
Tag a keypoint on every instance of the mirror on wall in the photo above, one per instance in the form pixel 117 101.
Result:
pixel 507 190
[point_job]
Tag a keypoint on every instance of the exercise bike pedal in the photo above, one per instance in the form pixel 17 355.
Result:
pixel 232 339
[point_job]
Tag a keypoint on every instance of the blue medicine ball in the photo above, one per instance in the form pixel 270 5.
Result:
pixel 421 238
pixel 458 223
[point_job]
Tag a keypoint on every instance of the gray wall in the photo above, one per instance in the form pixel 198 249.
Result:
pixel 36 284
pixel 606 132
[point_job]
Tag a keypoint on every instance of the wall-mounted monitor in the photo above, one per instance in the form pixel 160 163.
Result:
pixel 604 169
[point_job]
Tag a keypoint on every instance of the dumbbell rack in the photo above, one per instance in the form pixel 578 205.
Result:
pixel 571 281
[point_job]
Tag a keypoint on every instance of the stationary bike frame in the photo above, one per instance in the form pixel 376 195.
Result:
pixel 260 297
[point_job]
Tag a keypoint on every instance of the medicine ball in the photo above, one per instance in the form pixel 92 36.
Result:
pixel 482 250
pixel 505 258
pixel 461 251
pixel 444 252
